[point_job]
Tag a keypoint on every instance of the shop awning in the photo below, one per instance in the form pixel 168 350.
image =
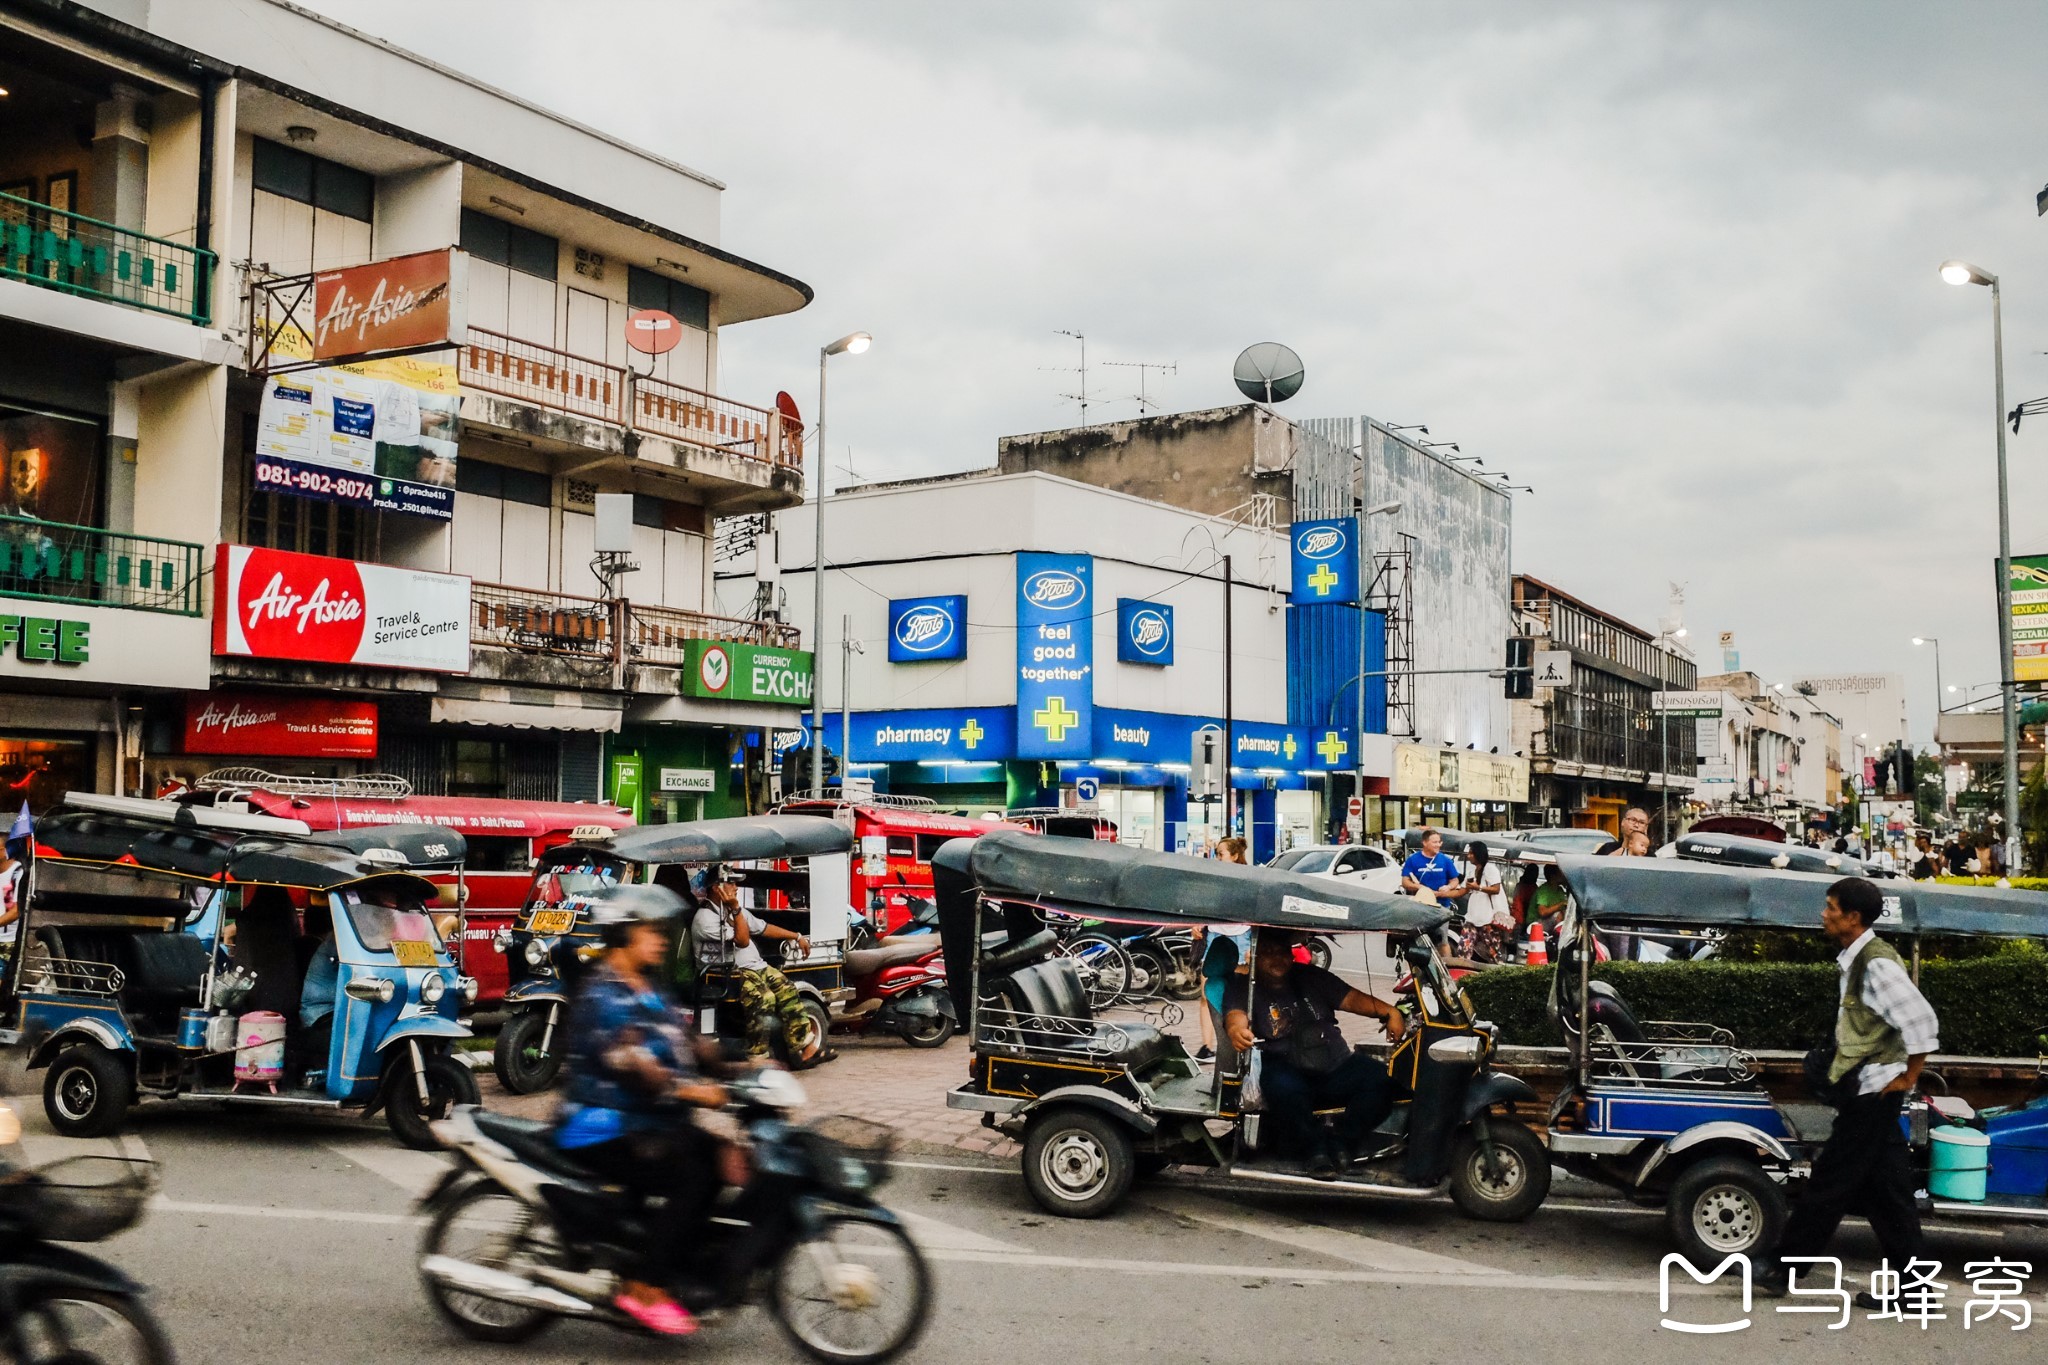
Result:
pixel 563 715
pixel 739 715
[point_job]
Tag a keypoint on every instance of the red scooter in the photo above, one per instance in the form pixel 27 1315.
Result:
pixel 899 985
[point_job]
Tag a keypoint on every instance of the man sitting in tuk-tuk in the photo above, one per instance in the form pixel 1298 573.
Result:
pixel 726 934
pixel 1307 1064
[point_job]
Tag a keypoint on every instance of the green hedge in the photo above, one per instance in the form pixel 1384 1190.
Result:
pixel 1989 1006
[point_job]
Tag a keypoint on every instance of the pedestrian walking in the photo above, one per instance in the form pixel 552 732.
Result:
pixel 1488 919
pixel 1923 864
pixel 1884 1031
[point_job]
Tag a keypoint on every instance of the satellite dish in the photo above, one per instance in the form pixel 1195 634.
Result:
pixel 786 405
pixel 651 331
pixel 1268 372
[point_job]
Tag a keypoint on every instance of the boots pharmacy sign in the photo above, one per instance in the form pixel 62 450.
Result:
pixel 274 604
pixel 724 671
pixel 2030 618
pixel 1055 655
pixel 1323 561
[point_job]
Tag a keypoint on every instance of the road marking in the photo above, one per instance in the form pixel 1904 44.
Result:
pixel 1494 1281
pixel 1005 1169
pixel 161 1205
pixel 1358 1249
pixel 933 1235
pixel 413 1172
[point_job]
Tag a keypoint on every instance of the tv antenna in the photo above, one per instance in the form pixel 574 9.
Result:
pixel 1142 367
pixel 1081 369
pixel 1268 372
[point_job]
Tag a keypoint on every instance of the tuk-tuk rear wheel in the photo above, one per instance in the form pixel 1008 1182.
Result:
pixel 1721 1205
pixel 1078 1163
pixel 87 1092
pixel 449 1083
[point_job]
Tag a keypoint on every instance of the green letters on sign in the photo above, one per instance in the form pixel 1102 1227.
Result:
pixel 46 640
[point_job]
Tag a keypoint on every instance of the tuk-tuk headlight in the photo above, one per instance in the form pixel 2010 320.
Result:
pixel 467 985
pixel 501 941
pixel 432 987
pixel 377 990
pixel 537 951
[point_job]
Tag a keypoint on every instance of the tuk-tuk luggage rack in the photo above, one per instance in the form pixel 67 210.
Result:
pixel 1050 1032
pixel 70 976
pixel 1693 1056
pixel 364 786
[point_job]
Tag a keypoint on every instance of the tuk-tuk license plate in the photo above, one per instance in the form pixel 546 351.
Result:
pixel 553 921
pixel 412 954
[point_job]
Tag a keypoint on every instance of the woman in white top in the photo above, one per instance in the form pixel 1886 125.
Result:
pixel 1489 921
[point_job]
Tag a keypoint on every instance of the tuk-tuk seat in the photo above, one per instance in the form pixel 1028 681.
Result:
pixel 165 971
pixel 1028 949
pixel 1052 1009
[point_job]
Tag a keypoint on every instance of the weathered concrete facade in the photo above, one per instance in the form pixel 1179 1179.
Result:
pixel 1213 461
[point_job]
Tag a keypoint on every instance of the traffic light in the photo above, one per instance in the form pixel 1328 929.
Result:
pixel 1520 682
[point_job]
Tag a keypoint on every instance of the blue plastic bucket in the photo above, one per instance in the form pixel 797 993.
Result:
pixel 1961 1160
pixel 192 1030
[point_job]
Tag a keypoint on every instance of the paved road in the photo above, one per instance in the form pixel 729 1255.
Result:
pixel 288 1239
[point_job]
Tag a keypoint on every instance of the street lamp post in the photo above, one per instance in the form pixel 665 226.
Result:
pixel 1959 273
pixel 1930 640
pixel 853 343
pixel 1365 578
pixel 1664 639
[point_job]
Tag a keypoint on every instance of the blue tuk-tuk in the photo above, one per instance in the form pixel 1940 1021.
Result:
pixel 1673 1113
pixel 114 996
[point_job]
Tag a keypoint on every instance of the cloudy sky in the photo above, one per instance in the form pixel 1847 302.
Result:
pixel 1672 265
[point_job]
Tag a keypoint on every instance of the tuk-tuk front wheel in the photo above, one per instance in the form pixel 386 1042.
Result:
pixel 1511 1186
pixel 522 1067
pixel 87 1092
pixel 1721 1205
pixel 449 1083
pixel 1077 1163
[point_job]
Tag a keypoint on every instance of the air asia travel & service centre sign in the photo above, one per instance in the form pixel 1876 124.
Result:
pixel 274 604
pixel 297 726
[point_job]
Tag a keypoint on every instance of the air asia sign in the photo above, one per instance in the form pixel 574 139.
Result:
pixel 273 604
pixel 1055 655
pixel 1324 561
pixel 1144 631
pixel 723 671
pixel 405 303
pixel 922 628
pixel 301 727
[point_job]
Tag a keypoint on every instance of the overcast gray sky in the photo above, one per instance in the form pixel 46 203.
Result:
pixel 1674 265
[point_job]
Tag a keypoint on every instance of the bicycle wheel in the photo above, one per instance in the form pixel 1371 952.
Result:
pixel 1106 969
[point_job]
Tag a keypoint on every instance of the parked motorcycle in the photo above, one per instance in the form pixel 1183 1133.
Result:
pixel 505 1253
pixel 899 987
pixel 56 1303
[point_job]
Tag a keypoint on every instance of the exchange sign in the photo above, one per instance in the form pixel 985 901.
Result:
pixel 725 671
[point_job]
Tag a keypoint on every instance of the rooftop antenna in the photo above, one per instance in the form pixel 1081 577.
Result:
pixel 1267 372
pixel 1081 369
pixel 1141 366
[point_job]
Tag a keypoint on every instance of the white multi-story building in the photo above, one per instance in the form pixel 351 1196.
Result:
pixel 285 309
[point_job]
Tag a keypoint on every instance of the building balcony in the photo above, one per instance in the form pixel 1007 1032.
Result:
pixel 561 638
pixel 72 254
pixel 734 456
pixel 54 562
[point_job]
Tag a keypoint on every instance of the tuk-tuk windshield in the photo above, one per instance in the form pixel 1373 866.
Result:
pixel 572 885
pixel 379 926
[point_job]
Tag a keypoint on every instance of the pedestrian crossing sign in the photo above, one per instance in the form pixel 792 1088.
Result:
pixel 1553 668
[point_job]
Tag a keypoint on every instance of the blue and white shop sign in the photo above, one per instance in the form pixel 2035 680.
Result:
pixel 1055 655
pixel 924 628
pixel 1324 561
pixel 1144 632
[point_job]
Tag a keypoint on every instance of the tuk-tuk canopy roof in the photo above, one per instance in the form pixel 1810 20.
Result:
pixel 82 838
pixel 1113 881
pixel 422 845
pixel 1679 892
pixel 1734 850
pixel 739 839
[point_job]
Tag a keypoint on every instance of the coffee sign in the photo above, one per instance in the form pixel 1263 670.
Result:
pixel 45 639
pixel 275 604
pixel 726 671
pixel 407 303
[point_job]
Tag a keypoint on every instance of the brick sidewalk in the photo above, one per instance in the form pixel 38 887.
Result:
pixel 875 1077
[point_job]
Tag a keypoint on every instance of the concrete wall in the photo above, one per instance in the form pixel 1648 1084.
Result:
pixel 177 458
pixel 419 210
pixel 1460 588
pixel 1209 461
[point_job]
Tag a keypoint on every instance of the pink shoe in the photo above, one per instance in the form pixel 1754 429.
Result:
pixel 668 1317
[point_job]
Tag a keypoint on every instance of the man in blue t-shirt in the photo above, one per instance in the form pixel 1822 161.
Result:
pixel 1432 868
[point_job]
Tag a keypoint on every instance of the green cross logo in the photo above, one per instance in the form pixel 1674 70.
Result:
pixel 1289 747
pixel 1055 719
pixel 1332 747
pixel 971 733
pixel 1322 580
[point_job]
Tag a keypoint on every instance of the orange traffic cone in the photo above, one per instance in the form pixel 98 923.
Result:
pixel 1539 950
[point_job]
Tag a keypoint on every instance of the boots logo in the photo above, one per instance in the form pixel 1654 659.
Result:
pixel 924 630
pixel 1149 632
pixel 1054 588
pixel 1319 542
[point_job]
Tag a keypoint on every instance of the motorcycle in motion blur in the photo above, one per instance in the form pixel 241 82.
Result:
pixel 507 1250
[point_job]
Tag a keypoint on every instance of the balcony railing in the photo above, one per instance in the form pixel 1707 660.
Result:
pixel 57 562
pixel 80 255
pixel 532 621
pixel 546 377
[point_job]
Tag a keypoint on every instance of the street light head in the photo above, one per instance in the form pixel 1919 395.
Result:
pixel 853 343
pixel 1383 509
pixel 1962 272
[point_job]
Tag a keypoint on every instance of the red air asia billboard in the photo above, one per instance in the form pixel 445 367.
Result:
pixel 274 604
pixel 300 727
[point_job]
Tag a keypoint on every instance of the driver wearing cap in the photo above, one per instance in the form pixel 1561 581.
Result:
pixel 1291 1009
pixel 728 934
